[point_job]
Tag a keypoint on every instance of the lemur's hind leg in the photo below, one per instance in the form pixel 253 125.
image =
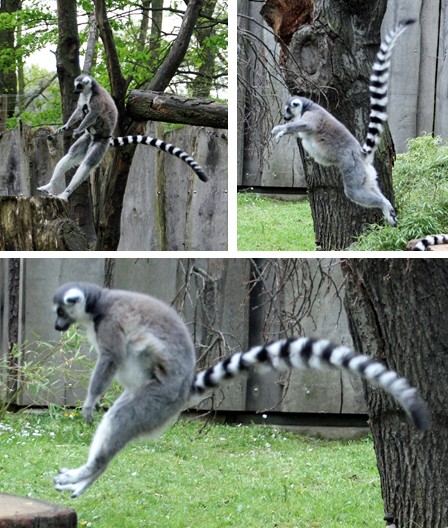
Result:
pixel 96 150
pixel 361 186
pixel 147 412
pixel 73 158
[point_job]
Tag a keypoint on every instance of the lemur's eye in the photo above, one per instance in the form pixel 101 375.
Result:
pixel 60 312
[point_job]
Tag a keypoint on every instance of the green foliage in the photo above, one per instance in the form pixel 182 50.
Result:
pixel 35 28
pixel 38 25
pixel 43 110
pixel 44 369
pixel 224 477
pixel 421 193
pixel 268 224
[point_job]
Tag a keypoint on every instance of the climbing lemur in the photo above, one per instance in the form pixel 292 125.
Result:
pixel 98 115
pixel 330 143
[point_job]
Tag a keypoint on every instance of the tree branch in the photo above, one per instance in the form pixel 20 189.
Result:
pixel 117 81
pixel 170 108
pixel 91 45
pixel 177 53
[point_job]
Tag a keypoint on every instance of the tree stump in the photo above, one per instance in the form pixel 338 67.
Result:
pixel 23 512
pixel 38 224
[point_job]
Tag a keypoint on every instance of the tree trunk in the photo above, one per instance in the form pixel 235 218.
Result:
pixel 8 78
pixel 395 309
pixel 176 55
pixel 38 224
pixel 112 186
pixel 203 82
pixel 12 330
pixel 67 65
pixel 171 108
pixel 328 51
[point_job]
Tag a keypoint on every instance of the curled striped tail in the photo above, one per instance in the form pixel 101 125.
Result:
pixel 421 244
pixel 162 145
pixel 302 352
pixel 379 81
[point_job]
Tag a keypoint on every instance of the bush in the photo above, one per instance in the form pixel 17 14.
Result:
pixel 421 197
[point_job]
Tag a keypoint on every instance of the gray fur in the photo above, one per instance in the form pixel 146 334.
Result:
pixel 330 143
pixel 144 345
pixel 423 244
pixel 95 131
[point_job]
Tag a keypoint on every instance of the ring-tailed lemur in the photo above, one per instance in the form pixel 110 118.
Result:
pixel 99 115
pixel 423 244
pixel 146 347
pixel 330 143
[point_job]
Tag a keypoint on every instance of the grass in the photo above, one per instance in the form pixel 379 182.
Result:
pixel 224 477
pixel 420 180
pixel 268 224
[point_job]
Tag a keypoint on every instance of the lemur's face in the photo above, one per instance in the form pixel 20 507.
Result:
pixel 81 83
pixel 293 108
pixel 70 307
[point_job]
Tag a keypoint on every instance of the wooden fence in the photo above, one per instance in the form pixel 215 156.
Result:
pixel 228 305
pixel 417 93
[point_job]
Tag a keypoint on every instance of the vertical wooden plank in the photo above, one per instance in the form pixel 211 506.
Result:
pixel 3 111
pixel 216 312
pixel 155 277
pixel 243 8
pixel 166 206
pixel 441 107
pixel 323 391
pixel 264 162
pixel 41 277
pixel 408 56
pixel 430 60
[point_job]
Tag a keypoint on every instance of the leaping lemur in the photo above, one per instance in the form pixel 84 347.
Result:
pixel 423 244
pixel 98 115
pixel 144 344
pixel 330 143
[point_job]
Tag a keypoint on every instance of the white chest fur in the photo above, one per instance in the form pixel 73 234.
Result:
pixel 84 100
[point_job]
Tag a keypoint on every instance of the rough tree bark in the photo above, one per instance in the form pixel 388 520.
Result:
pixel 8 78
pixel 396 309
pixel 328 51
pixel 202 84
pixel 68 68
pixel 38 224
pixel 12 330
pixel 171 108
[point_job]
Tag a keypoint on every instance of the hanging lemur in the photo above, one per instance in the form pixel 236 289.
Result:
pixel 98 115
pixel 330 143
pixel 144 344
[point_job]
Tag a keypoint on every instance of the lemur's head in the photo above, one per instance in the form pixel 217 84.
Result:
pixel 83 83
pixel 293 108
pixel 75 302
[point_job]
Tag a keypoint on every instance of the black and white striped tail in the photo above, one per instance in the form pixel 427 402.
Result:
pixel 162 145
pixel 302 352
pixel 379 81
pixel 431 240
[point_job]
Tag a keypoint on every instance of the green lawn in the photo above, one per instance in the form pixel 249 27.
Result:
pixel 267 224
pixel 226 476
